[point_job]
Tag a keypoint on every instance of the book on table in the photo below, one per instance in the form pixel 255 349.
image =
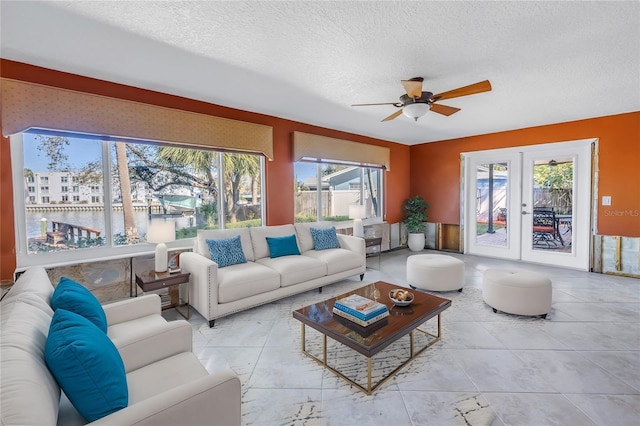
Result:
pixel 380 316
pixel 360 307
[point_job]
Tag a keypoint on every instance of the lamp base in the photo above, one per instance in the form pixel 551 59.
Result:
pixel 358 228
pixel 161 257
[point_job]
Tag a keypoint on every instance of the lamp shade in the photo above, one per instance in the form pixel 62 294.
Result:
pixel 356 211
pixel 161 232
pixel 416 110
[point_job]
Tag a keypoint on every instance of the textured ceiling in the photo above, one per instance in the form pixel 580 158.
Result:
pixel 548 62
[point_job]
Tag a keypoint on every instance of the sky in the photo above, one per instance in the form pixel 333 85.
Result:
pixel 79 151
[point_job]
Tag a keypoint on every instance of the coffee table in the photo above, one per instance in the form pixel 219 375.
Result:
pixel 370 340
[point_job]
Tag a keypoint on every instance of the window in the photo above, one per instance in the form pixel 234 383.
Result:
pixel 325 191
pixel 64 179
pixel 32 189
pixel 119 186
pixel 31 179
pixel 44 189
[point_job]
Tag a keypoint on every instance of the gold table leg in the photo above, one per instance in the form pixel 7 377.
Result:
pixel 370 389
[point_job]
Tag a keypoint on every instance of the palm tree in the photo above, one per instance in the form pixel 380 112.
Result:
pixel 130 228
pixel 202 162
pixel 236 168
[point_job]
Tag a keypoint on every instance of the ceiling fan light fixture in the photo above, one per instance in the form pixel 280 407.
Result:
pixel 416 110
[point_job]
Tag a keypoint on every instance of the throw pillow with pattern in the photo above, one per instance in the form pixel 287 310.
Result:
pixel 226 251
pixel 325 238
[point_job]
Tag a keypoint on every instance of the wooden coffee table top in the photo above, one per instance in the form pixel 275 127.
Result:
pixel 401 320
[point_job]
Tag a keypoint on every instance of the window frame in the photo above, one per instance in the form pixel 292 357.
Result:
pixel 109 250
pixel 361 189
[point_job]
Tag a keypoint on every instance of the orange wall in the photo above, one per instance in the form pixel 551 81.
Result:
pixel 279 172
pixel 435 167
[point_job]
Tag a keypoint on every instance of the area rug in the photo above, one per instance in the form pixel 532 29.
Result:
pixel 473 411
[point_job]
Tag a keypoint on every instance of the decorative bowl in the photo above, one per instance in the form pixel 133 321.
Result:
pixel 404 297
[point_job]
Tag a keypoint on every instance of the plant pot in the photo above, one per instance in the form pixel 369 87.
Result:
pixel 416 241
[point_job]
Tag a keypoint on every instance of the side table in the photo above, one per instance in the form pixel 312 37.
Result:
pixel 374 242
pixel 152 281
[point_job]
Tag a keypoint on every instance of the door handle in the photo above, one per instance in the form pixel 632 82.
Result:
pixel 523 212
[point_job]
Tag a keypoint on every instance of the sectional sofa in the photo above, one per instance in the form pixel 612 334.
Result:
pixel 261 275
pixel 165 381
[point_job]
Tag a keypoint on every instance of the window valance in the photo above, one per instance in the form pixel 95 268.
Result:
pixel 28 105
pixel 311 147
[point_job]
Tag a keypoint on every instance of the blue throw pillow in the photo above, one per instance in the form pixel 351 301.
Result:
pixel 325 238
pixel 75 297
pixel 86 365
pixel 282 246
pixel 227 251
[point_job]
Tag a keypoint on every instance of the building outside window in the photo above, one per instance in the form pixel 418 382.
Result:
pixel 127 184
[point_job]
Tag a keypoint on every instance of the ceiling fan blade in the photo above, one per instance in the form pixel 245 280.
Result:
pixel 413 87
pixel 444 109
pixel 483 86
pixel 383 103
pixel 394 115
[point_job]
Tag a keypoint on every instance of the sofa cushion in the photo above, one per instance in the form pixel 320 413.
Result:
pixel 75 297
pixel 324 239
pixel 86 364
pixel 337 260
pixel 259 236
pixel 35 281
pixel 164 375
pixel 226 251
pixel 303 231
pixel 25 378
pixel 216 234
pixel 238 282
pixel 295 269
pixel 283 246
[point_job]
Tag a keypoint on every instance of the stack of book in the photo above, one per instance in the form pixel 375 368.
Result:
pixel 360 310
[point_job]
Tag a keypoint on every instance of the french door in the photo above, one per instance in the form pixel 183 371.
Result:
pixel 530 203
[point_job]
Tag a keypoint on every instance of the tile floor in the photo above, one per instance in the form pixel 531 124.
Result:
pixel 580 366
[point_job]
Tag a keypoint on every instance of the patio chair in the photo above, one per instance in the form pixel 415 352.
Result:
pixel 545 227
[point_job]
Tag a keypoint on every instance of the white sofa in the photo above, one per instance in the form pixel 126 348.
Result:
pixel 216 292
pixel 166 382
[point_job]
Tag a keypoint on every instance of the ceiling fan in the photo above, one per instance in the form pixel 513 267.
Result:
pixel 417 103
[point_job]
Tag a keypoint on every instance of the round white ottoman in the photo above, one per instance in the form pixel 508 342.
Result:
pixel 435 272
pixel 517 291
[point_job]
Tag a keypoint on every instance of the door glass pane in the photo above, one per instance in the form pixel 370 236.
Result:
pixel 491 204
pixel 552 204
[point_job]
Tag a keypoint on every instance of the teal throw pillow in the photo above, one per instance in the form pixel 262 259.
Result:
pixel 75 297
pixel 86 365
pixel 226 251
pixel 282 246
pixel 325 238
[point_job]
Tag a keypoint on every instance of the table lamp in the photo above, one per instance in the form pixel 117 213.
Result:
pixel 161 232
pixel 357 213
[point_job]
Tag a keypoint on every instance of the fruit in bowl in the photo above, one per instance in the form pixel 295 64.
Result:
pixel 401 297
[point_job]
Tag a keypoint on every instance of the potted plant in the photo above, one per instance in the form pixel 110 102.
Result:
pixel 415 217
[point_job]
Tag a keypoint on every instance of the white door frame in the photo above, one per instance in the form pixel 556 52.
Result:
pixel 519 243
